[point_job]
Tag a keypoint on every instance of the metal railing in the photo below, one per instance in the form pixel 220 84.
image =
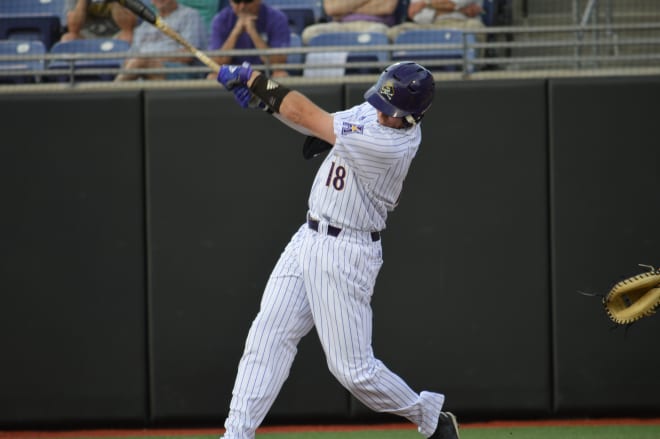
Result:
pixel 523 55
pixel 590 15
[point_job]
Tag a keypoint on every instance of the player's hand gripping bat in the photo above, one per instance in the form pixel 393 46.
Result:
pixel 142 11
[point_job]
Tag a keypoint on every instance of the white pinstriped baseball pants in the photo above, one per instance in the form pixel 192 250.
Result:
pixel 323 282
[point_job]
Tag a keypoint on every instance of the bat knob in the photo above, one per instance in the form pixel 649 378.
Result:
pixel 139 9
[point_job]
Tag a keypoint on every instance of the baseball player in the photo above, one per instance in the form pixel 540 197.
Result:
pixel 325 277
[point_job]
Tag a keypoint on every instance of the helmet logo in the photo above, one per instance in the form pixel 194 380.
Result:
pixel 387 90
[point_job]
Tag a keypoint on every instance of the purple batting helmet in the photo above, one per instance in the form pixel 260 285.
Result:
pixel 404 89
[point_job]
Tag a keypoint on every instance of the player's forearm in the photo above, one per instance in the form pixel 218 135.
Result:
pixel 298 109
pixel 293 106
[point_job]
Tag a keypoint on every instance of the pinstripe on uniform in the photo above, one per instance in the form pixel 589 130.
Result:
pixel 326 282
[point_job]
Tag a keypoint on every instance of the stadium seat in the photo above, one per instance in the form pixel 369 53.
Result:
pixel 301 13
pixel 299 19
pixel 295 58
pixel 316 6
pixel 41 20
pixel 16 47
pixel 353 39
pixel 434 36
pixel 95 46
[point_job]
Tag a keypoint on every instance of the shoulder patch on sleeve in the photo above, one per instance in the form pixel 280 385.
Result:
pixel 351 128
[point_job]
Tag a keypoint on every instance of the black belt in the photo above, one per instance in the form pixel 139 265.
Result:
pixel 335 231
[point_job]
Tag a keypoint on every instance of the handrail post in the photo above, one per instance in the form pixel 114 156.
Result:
pixel 587 16
pixel 72 69
pixel 578 33
pixel 466 68
pixel 611 35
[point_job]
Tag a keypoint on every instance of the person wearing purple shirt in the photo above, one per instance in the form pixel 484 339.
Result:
pixel 250 24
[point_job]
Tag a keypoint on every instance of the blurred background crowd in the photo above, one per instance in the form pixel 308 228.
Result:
pixel 74 41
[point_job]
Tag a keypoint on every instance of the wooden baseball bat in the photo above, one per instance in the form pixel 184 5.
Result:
pixel 142 11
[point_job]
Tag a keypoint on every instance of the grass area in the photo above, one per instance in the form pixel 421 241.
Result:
pixel 572 432
pixel 500 432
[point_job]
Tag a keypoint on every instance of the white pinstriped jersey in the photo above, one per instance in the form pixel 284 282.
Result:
pixel 325 281
pixel 361 179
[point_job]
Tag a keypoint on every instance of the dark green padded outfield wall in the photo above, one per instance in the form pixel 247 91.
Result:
pixel 139 228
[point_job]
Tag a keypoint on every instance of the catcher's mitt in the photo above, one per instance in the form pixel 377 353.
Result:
pixel 634 298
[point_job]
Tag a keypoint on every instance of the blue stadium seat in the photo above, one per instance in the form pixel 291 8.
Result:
pixel 301 13
pixel 434 36
pixel 16 47
pixel 299 19
pixel 356 39
pixel 316 6
pixel 92 46
pixel 41 20
pixel 295 58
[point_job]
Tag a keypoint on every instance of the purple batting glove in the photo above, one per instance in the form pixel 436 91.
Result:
pixel 232 75
pixel 242 95
pixel 247 100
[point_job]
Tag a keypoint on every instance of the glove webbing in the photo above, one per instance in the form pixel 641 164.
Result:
pixel 634 298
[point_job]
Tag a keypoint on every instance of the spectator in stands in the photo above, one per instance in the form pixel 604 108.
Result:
pixel 250 24
pixel 354 15
pixel 97 19
pixel 206 8
pixel 148 39
pixel 441 14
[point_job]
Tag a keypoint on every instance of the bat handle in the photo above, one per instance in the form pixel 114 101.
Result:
pixel 208 61
pixel 140 9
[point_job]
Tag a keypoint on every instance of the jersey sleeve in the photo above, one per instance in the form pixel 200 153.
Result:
pixel 371 148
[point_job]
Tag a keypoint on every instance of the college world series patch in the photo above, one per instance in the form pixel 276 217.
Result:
pixel 351 128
